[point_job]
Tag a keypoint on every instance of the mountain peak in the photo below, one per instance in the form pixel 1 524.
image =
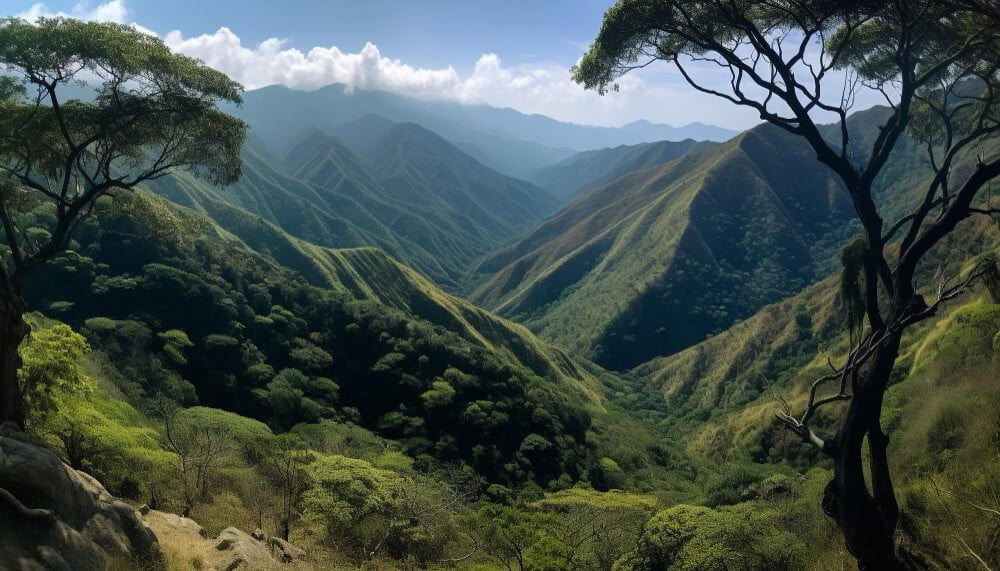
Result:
pixel 312 142
pixel 372 121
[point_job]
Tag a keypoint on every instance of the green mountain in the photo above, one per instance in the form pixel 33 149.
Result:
pixel 416 166
pixel 658 259
pixel 584 171
pixel 430 205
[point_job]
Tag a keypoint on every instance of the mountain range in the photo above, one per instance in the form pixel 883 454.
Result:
pixel 504 139
pixel 409 192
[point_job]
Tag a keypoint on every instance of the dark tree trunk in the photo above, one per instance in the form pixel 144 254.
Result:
pixel 13 330
pixel 866 517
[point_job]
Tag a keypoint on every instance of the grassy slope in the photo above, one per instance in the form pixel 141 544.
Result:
pixel 584 171
pixel 722 391
pixel 658 259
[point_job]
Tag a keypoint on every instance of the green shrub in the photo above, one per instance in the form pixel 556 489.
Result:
pixel 947 432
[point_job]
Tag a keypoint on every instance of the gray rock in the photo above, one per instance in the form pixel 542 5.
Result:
pixel 9 427
pixel 51 514
pixel 179 524
pixel 242 548
pixel 50 559
pixel 286 552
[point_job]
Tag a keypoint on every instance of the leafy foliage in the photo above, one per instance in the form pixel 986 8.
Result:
pixel 178 319
pixel 51 367
pixel 152 111
pixel 693 537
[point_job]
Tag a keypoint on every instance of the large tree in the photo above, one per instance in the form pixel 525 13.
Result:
pixel 799 63
pixel 141 112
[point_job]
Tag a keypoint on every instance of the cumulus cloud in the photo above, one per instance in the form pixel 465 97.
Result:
pixel 540 88
pixel 272 62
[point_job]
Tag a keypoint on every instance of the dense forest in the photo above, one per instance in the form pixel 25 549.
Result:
pixel 319 330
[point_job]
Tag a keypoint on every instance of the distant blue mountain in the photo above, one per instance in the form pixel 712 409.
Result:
pixel 504 139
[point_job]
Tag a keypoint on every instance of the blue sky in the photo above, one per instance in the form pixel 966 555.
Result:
pixel 515 53
pixel 424 34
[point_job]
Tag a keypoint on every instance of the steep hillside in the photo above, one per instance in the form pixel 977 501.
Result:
pixel 723 389
pixel 323 193
pixel 660 258
pixel 419 169
pixel 576 175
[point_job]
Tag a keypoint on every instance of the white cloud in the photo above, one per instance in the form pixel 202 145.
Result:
pixel 542 88
pixel 271 62
pixel 112 11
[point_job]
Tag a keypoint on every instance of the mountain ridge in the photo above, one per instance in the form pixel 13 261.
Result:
pixel 504 139
pixel 610 259
pixel 439 210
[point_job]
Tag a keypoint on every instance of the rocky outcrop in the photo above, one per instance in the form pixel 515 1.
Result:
pixel 286 552
pixel 55 517
pixel 241 550
pixel 187 545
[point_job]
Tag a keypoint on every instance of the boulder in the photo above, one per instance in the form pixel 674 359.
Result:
pixel 174 524
pixel 286 552
pixel 184 542
pixel 242 548
pixel 55 517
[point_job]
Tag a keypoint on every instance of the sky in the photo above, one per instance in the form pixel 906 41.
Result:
pixel 515 53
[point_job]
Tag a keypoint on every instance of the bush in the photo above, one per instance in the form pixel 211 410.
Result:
pixel 947 432
pixel 734 484
pixel 694 537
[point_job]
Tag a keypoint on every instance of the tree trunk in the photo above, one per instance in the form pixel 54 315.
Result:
pixel 866 518
pixel 13 330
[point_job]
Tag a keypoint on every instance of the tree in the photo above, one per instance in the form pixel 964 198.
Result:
pixel 152 111
pixel 201 443
pixel 797 62
pixel 51 366
pixel 519 539
pixel 696 537
pixel 598 527
pixel 284 466
pixel 352 504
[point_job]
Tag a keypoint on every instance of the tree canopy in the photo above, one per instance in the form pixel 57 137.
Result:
pixel 151 111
